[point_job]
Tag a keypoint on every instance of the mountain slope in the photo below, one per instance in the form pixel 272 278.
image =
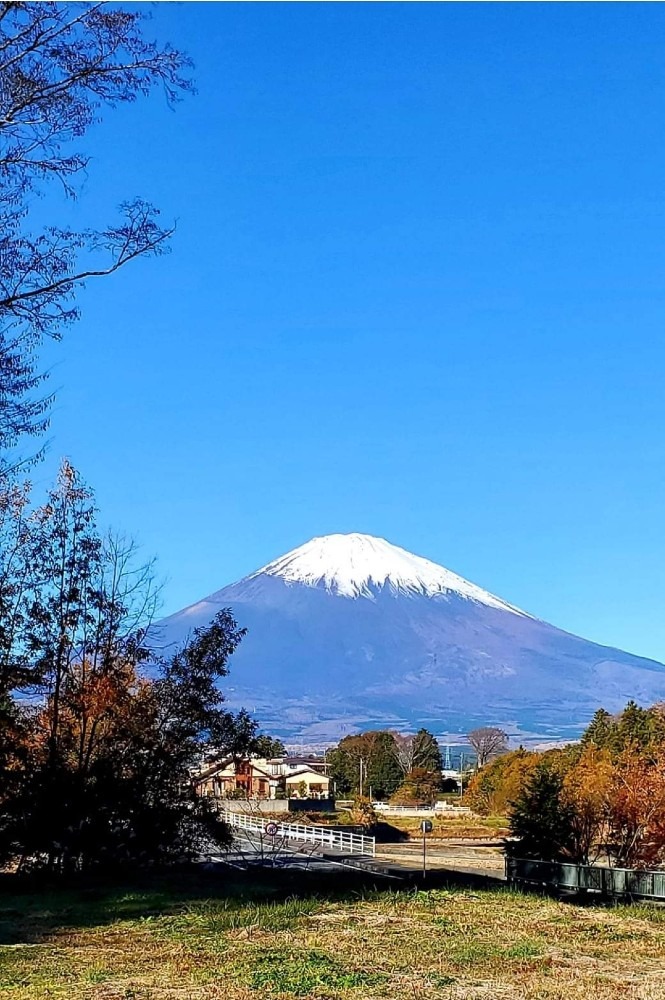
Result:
pixel 349 631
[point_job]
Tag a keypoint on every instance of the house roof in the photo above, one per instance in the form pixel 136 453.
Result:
pixel 221 765
pixel 306 770
pixel 262 772
pixel 313 762
pixel 213 769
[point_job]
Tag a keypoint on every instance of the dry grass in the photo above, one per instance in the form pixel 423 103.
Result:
pixel 455 827
pixel 446 944
pixel 445 827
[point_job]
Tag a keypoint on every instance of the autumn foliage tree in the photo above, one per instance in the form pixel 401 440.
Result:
pixel 96 754
pixel 586 794
pixel 636 814
pixel 602 799
pixel 421 786
pixel 494 787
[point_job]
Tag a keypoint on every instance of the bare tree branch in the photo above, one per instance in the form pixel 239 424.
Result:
pixel 488 742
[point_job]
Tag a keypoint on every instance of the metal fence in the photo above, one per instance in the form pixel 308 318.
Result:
pixel 609 882
pixel 334 840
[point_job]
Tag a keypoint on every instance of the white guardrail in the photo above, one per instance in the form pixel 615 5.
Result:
pixel 334 840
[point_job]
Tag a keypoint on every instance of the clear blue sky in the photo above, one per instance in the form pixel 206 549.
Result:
pixel 417 290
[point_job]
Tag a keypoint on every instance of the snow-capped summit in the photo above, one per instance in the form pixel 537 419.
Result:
pixel 349 632
pixel 357 565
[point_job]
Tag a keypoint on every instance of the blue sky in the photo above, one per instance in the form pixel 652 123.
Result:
pixel 417 290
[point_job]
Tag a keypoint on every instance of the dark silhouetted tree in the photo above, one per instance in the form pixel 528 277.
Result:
pixel 97 761
pixel 268 746
pixel 61 64
pixel 540 820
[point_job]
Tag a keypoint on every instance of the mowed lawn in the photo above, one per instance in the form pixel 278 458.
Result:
pixel 203 939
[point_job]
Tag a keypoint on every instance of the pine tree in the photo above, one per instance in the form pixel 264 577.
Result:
pixel 427 754
pixel 383 772
pixel 601 730
pixel 634 726
pixel 539 819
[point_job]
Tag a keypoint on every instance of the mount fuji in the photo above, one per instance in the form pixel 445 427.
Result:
pixel 349 632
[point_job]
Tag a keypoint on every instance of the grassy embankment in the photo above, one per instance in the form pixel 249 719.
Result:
pixel 200 939
pixel 445 827
pixel 455 827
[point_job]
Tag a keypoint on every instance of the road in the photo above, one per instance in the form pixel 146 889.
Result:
pixel 477 858
pixel 482 858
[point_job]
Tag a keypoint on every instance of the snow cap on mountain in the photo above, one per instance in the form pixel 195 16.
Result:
pixel 358 565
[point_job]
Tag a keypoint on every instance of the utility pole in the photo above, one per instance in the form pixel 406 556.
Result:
pixel 361 777
pixel 425 828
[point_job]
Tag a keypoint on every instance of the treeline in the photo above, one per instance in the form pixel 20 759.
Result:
pixel 385 765
pixel 602 799
pixel 96 749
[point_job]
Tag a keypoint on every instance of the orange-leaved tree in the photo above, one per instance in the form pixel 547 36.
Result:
pixel 420 787
pixel 492 789
pixel 587 792
pixel 637 809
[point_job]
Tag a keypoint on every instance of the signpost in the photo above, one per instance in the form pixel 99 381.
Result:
pixel 271 830
pixel 425 827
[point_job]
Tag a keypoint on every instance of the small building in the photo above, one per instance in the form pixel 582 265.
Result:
pixel 306 783
pixel 259 778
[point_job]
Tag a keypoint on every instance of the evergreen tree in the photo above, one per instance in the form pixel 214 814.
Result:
pixel 427 753
pixel 601 730
pixel 383 772
pixel 539 819
pixel 634 726
pixel 268 746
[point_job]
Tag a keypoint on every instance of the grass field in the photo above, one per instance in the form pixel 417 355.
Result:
pixel 203 940
pixel 447 827
pixel 444 827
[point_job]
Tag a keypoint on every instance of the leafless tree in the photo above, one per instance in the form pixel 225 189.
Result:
pixel 488 742
pixel 405 750
pixel 417 750
pixel 60 65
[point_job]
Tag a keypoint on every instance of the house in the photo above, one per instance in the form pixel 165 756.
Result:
pixel 292 761
pixel 306 783
pixel 256 777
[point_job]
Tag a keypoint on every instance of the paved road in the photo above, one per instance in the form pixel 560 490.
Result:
pixel 392 860
pixel 250 850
